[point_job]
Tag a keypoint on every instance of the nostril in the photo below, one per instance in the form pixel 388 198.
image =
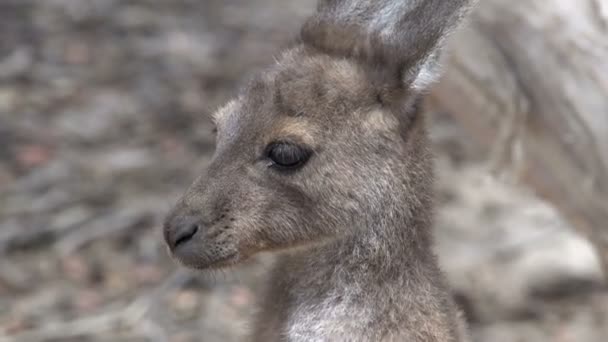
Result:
pixel 184 234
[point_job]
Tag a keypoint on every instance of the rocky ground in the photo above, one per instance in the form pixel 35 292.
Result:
pixel 104 121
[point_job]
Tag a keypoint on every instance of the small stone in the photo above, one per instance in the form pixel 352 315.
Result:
pixel 77 53
pixel 182 337
pixel 117 283
pixel 8 99
pixel 75 268
pixel 14 326
pixel 124 160
pixel 33 155
pixel 88 300
pixel 15 64
pixel 186 301
pixel 146 274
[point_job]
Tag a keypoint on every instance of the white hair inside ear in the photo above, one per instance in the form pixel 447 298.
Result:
pixel 428 73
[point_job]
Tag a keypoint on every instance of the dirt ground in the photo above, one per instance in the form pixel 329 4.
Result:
pixel 103 123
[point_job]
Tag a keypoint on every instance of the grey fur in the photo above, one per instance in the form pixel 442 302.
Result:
pixel 352 226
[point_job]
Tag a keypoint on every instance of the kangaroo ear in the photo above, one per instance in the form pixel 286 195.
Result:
pixel 403 37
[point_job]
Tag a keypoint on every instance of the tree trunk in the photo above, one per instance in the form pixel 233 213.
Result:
pixel 529 79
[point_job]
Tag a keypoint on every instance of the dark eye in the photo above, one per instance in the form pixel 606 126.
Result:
pixel 287 155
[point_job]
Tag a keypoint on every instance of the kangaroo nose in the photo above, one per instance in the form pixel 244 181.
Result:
pixel 180 231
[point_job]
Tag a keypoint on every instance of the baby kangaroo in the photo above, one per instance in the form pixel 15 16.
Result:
pixel 324 160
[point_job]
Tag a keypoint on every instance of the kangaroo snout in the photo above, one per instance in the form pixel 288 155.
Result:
pixel 184 238
pixel 199 236
pixel 179 231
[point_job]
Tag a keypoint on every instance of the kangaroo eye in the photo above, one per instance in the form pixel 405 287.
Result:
pixel 287 155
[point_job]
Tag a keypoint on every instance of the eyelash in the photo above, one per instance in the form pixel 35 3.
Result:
pixel 293 156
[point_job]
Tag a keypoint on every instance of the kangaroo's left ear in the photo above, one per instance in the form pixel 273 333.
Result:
pixel 401 36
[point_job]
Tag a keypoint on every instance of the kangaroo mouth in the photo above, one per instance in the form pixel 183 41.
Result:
pixel 208 263
pixel 223 262
pixel 205 256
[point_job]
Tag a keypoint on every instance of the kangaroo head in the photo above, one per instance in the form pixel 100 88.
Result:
pixel 326 141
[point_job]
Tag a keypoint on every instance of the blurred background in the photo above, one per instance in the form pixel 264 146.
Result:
pixel 104 122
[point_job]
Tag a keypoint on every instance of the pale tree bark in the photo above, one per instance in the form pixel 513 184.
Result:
pixel 529 79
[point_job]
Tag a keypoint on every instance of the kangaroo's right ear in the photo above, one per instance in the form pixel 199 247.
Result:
pixel 401 36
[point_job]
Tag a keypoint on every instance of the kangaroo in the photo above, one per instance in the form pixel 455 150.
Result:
pixel 323 159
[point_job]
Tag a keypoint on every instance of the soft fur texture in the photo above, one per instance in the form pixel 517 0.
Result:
pixel 352 225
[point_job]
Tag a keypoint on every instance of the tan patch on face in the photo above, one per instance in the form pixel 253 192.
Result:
pixel 220 115
pixel 378 120
pixel 299 130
